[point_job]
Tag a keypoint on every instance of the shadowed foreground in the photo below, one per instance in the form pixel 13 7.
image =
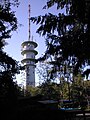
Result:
pixel 31 109
pixel 29 113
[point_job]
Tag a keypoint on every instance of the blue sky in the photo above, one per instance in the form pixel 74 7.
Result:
pixel 14 44
pixel 13 48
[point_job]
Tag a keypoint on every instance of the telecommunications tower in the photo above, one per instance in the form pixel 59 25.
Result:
pixel 28 60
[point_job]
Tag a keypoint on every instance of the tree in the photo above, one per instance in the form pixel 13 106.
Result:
pixel 44 72
pixel 50 90
pixel 31 91
pixel 8 66
pixel 67 34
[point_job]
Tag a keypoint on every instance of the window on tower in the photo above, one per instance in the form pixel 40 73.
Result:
pixel 27 74
pixel 32 56
pixel 28 44
pixel 27 69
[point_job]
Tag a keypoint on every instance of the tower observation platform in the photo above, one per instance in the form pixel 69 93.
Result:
pixel 28 52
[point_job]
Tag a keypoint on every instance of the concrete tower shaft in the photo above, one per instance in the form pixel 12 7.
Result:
pixel 28 60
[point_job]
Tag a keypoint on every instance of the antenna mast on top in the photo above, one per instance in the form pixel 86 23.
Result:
pixel 29 21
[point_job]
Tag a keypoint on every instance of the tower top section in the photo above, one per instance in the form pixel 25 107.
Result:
pixel 27 43
pixel 29 9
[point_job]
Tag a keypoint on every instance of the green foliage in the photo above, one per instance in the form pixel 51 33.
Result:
pixel 67 34
pixel 67 40
pixel 8 22
pixel 79 91
pixel 50 90
pixel 32 91
pixel 44 71
pixel 8 66
pixel 8 89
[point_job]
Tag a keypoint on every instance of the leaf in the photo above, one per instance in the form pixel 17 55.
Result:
pixel 38 19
